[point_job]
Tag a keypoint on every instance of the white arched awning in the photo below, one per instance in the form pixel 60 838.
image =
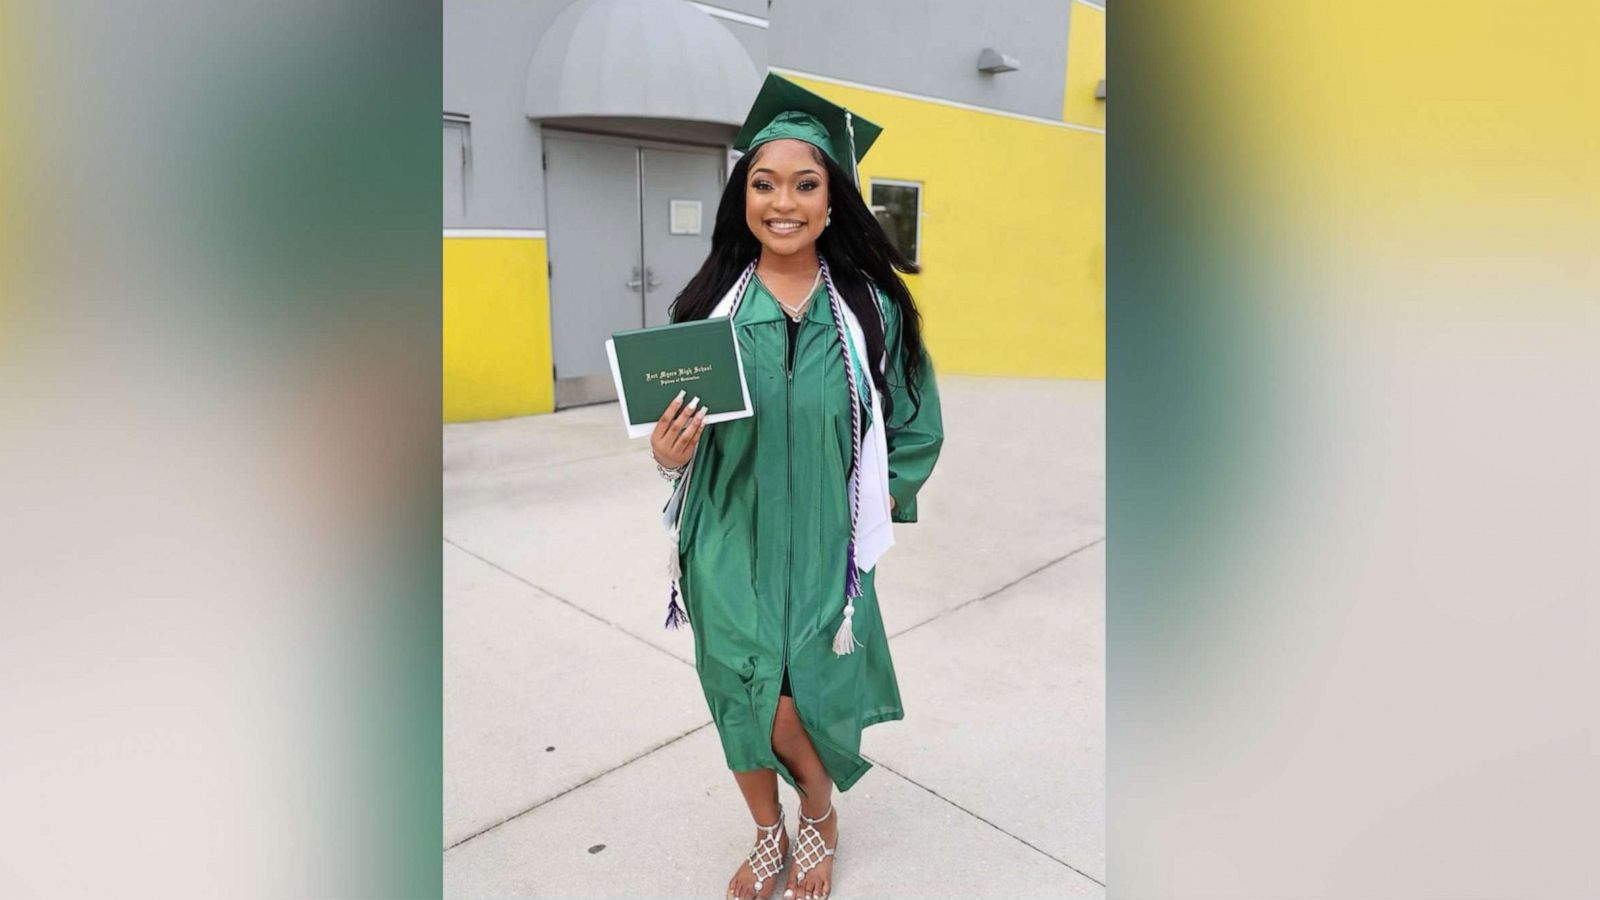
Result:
pixel 650 58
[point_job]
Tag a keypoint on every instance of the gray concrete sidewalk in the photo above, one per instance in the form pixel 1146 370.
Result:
pixel 578 752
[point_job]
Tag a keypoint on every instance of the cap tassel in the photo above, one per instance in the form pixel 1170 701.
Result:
pixel 850 130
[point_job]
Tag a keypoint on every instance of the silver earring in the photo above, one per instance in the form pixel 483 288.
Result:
pixel 829 220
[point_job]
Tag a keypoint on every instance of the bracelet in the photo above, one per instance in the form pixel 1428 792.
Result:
pixel 668 474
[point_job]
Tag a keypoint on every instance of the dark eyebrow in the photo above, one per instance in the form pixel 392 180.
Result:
pixel 801 172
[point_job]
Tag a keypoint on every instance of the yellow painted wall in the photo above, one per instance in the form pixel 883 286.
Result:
pixel 496 329
pixel 1013 233
pixel 1086 65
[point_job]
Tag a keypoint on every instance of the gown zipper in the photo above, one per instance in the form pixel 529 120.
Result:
pixel 788 462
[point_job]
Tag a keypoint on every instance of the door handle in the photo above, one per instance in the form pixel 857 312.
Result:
pixel 654 282
pixel 633 285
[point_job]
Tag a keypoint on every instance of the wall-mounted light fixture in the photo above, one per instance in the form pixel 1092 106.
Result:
pixel 993 62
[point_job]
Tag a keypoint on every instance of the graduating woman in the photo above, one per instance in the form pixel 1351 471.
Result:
pixel 780 517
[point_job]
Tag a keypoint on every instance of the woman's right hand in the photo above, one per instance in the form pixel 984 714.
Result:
pixel 677 432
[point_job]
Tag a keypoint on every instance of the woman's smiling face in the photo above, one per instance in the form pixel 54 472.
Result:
pixel 786 196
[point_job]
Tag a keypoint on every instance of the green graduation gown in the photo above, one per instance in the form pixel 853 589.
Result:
pixel 763 535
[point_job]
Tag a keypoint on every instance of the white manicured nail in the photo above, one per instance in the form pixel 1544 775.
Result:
pixel 693 403
pixel 679 397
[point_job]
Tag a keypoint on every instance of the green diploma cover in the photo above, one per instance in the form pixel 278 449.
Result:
pixel 651 365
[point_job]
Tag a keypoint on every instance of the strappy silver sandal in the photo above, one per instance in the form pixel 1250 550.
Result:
pixel 766 857
pixel 812 850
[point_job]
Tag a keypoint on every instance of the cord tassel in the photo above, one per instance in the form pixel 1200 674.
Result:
pixel 845 640
pixel 676 617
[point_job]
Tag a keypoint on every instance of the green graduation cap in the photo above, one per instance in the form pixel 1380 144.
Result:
pixel 784 109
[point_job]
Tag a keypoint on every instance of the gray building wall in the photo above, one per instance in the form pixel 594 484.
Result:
pixel 920 46
pixel 931 47
pixel 487 46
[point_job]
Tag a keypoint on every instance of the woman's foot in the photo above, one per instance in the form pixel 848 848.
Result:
pixel 811 875
pixel 758 874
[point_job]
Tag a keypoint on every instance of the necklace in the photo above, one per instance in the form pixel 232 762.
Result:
pixel 796 313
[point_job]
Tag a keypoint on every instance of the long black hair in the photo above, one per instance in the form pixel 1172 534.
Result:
pixel 859 255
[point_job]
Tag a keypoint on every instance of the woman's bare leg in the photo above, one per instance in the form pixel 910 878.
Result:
pixel 794 748
pixel 760 789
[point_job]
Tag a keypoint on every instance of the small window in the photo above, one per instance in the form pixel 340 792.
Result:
pixel 898 206
pixel 457 163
